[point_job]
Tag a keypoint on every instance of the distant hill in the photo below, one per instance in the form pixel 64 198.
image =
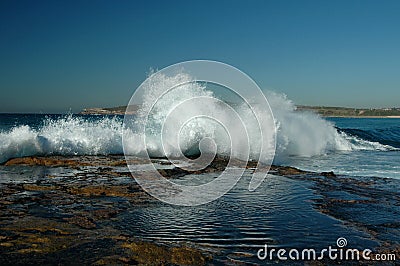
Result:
pixel 119 110
pixel 350 112
pixel 321 110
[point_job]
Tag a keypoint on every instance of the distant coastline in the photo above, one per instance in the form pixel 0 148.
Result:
pixel 352 112
pixel 324 111
pixel 119 110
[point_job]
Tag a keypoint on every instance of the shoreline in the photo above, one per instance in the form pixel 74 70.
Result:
pixel 324 111
pixel 118 113
pixel 39 218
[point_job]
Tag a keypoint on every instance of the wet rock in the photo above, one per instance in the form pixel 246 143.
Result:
pixel 328 174
pixel 104 213
pixel 187 256
pixel 101 190
pixel 73 218
pixel 174 172
pixel 44 161
pixel 288 171
pixel 34 187
pixel 145 252
pixel 83 222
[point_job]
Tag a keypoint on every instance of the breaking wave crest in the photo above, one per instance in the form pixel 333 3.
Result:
pixel 298 133
pixel 69 135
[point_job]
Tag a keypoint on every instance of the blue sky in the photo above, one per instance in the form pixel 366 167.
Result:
pixel 57 56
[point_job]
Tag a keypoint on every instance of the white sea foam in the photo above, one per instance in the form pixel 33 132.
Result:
pixel 307 134
pixel 66 136
pixel 298 133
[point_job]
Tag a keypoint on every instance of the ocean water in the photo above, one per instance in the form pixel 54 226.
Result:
pixel 162 128
pixel 280 212
pixel 382 161
pixel 359 146
pixel 173 120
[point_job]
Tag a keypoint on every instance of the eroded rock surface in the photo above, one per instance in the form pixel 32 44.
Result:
pixel 68 216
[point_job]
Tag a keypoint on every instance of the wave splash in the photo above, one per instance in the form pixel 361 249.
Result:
pixel 307 134
pixel 177 118
pixel 69 135
pixel 298 133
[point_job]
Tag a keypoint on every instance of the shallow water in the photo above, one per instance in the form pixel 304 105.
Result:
pixel 279 213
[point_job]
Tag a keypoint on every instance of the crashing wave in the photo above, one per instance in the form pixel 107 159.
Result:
pixel 298 133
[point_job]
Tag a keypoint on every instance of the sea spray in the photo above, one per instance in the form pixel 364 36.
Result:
pixel 69 135
pixel 298 133
pixel 203 117
pixel 303 133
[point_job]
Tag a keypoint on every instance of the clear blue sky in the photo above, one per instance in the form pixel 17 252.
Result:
pixel 57 55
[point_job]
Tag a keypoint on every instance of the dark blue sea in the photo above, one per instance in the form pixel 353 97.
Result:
pixel 280 213
pixel 357 146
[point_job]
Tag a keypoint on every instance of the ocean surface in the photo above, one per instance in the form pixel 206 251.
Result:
pixel 382 161
pixel 360 147
pixel 280 213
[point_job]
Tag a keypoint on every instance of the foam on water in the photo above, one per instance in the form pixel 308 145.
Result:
pixel 307 134
pixel 298 133
pixel 66 136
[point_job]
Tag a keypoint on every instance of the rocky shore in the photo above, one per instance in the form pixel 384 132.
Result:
pixel 321 110
pixel 120 110
pixel 69 219
pixel 69 215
